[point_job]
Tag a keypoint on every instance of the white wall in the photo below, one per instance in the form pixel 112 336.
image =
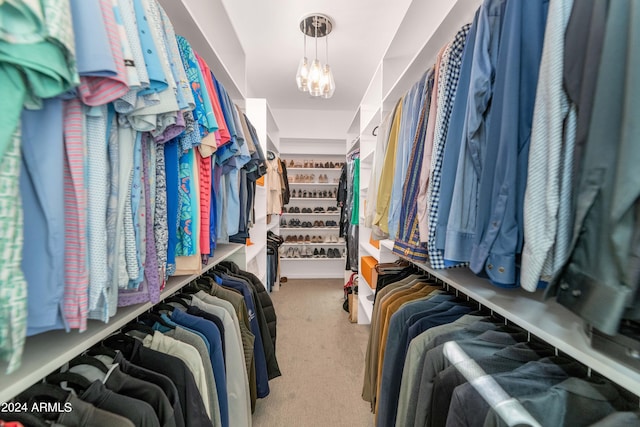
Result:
pixel 313 124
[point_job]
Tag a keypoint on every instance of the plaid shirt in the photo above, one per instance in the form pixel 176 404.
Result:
pixel 447 87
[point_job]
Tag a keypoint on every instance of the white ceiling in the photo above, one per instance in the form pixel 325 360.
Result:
pixel 273 44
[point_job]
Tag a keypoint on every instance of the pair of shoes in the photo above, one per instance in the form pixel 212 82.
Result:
pixel 306 224
pixel 333 253
pixel 319 253
pixel 318 224
pixel 294 222
pixel 332 209
pixel 306 210
pixel 331 224
pixel 317 239
pixel 318 210
pixel 332 239
pixel 323 178
pixel 306 253
pixel 283 222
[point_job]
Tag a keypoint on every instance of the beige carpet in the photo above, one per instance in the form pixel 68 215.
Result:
pixel 321 356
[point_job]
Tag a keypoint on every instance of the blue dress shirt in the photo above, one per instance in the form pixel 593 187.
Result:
pixel 410 111
pixel 42 193
pixel 452 142
pixel 499 234
pixel 462 216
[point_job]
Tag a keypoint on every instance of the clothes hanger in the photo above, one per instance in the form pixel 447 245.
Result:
pixel 102 350
pixel 155 318
pixel 185 296
pixel 121 342
pixel 137 326
pixel 177 300
pixel 85 359
pixel 75 381
pixel 38 391
pixel 189 291
pixel 162 306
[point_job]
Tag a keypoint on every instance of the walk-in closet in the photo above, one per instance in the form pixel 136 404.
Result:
pixel 236 213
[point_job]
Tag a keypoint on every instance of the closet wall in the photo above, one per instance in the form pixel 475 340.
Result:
pixel 207 27
pixel 425 29
pixel 298 259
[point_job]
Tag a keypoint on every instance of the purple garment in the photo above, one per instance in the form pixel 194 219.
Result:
pixel 172 131
pixel 149 289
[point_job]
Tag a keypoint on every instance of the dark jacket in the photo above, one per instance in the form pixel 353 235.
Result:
pixel 266 313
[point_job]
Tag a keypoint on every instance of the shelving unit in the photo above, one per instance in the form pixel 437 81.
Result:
pixel 258 111
pixel 297 268
pixel 425 28
pixel 46 352
pixel 211 33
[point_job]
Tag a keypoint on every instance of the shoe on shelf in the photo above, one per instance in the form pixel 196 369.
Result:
pixel 321 239
pixel 316 253
pixel 321 224
pixel 308 252
pixel 323 253
pixel 330 253
pixel 307 239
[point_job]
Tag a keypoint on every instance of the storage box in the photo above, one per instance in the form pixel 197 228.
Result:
pixel 374 243
pixel 369 272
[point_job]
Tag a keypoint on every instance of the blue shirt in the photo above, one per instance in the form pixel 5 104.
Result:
pixel 93 50
pixel 212 334
pixel 462 216
pixel 42 193
pixel 158 81
pixel 452 143
pixel 500 213
pixel 410 111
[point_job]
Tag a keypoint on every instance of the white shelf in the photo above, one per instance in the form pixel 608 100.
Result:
pixel 328 199
pixel 254 250
pixel 312 259
pixel 272 225
pixel 46 352
pixel 310 228
pixel 310 214
pixel 370 249
pixel 387 243
pixel 367 159
pixel 365 311
pixel 314 244
pixel 545 319
pixel 289 169
pixel 364 290
pixel 334 184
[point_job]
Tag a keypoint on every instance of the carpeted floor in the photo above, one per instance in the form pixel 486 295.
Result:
pixel 321 356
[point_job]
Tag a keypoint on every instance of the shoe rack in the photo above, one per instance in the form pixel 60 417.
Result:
pixel 310 222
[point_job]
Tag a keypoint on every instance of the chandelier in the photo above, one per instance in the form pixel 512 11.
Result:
pixel 317 79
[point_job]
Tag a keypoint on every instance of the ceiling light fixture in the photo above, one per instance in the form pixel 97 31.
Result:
pixel 316 79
